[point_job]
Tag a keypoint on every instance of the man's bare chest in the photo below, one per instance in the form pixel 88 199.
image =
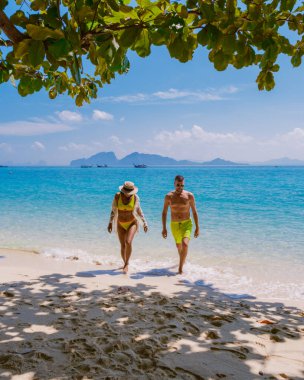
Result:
pixel 179 201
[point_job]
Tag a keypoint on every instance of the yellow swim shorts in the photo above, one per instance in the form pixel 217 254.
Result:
pixel 181 230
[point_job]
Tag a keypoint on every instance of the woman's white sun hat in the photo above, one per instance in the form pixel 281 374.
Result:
pixel 128 188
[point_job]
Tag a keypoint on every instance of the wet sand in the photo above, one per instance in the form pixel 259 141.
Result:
pixel 71 320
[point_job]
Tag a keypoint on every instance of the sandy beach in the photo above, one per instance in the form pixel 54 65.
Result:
pixel 72 320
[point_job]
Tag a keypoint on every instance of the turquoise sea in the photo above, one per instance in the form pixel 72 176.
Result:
pixel 252 222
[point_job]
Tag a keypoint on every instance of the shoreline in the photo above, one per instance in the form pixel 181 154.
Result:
pixel 69 319
pixel 166 276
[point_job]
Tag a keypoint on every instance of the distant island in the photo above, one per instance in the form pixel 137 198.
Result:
pixel 109 159
pixel 135 158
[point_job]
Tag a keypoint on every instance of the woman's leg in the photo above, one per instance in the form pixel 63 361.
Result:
pixel 128 244
pixel 122 239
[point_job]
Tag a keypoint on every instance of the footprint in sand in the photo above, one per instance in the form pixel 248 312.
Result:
pixel 238 353
pixel 191 328
pixel 13 362
pixel 211 335
pixel 7 293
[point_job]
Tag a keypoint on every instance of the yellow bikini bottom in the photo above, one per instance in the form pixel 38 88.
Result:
pixel 126 225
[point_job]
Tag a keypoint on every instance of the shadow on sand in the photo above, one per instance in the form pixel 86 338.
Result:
pixel 54 328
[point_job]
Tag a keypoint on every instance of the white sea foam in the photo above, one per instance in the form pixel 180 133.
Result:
pixel 234 280
pixel 77 254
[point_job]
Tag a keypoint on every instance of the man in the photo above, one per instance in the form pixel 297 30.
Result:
pixel 180 202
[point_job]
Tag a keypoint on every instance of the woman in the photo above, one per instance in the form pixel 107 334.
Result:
pixel 125 215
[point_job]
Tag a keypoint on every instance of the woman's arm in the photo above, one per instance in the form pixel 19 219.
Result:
pixel 141 214
pixel 112 214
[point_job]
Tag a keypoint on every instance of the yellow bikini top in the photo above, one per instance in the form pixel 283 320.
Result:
pixel 128 207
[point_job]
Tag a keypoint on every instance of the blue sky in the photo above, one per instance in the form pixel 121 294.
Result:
pixel 185 111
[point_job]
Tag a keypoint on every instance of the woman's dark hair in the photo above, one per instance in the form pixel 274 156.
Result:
pixel 179 178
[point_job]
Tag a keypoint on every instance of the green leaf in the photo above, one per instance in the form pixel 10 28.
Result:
pixel 275 68
pixel 41 33
pixel 36 53
pixel 37 5
pixel 183 12
pixel 60 48
pixel 207 10
pixel 269 81
pixel 22 48
pixel 79 100
pixel 113 4
pixel 24 86
pixel 228 44
pixel 19 18
pixel 220 60
pixel 254 11
pixel 215 36
pixel 182 49
pixel 37 84
pixel 142 44
pixel 128 37
pixel 143 3
pixel 53 93
pixel 296 60
pixel 125 8
pixel 52 18
pixel 158 37
pixel 75 70
pixel 203 37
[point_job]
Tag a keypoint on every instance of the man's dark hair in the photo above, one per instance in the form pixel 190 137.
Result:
pixel 179 178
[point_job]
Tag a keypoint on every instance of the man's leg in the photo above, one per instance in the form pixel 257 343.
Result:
pixel 183 254
pixel 122 238
pixel 179 250
pixel 128 243
pixel 179 247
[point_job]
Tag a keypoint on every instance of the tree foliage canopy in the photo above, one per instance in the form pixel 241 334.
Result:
pixel 45 42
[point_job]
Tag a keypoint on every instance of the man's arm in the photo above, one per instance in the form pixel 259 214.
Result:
pixel 164 216
pixel 195 215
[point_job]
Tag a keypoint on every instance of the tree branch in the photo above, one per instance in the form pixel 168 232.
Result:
pixel 9 29
pixel 6 42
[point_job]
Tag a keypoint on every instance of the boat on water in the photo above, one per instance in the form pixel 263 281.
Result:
pixel 102 166
pixel 141 166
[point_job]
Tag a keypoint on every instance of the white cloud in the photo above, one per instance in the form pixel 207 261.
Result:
pixel 229 90
pixel 175 95
pixel 38 145
pixel 296 136
pixel 6 147
pixel 198 134
pixel 101 115
pixel 98 144
pixel 69 116
pixel 190 96
pixel 205 136
pixel 115 140
pixel 29 128
pixel 75 147
pixel 198 143
pixel 137 98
